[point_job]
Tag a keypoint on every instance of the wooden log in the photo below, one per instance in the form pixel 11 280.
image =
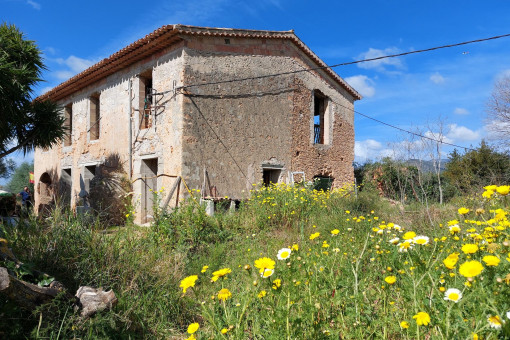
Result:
pixel 24 294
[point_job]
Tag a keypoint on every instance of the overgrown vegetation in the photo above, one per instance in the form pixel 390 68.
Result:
pixel 410 182
pixel 343 274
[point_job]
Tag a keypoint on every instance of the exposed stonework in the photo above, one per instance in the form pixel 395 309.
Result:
pixel 238 131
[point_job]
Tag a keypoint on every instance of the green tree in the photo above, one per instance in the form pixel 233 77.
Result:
pixel 6 167
pixel 25 123
pixel 20 178
pixel 477 168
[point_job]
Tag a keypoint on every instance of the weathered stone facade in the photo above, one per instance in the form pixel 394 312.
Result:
pixel 240 132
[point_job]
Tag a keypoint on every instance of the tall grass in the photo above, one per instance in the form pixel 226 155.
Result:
pixel 331 286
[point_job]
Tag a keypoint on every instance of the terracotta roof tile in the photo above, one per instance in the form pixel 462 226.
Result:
pixel 164 37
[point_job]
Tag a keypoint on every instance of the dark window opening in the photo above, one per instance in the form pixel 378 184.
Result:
pixel 323 183
pixel 146 100
pixel 227 41
pixel 68 124
pixel 270 176
pixel 318 117
pixel 66 182
pixel 95 116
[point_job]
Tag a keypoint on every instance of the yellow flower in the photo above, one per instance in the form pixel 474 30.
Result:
pixel 262 294
pixel 191 337
pixel 409 235
pixel 295 247
pixel 220 273
pixel 224 331
pixel 264 263
pixel 491 261
pixel 390 279
pixel 188 282
pixel 335 232
pixel 469 248
pixel 192 328
pixel 470 269
pixel 267 273
pixel 494 322
pixel 475 336
pixel 463 211
pixel 204 269
pixel 404 324
pixel 422 318
pixel 491 187
pixel 224 294
pixel 277 283
pixel 314 236
pixel 503 190
pixel 488 194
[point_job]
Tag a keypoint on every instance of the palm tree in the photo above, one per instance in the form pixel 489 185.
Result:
pixel 24 123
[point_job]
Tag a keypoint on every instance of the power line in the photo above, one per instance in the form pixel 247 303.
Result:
pixel 407 131
pixel 345 63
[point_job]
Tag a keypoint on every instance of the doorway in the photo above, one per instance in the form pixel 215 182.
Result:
pixel 149 173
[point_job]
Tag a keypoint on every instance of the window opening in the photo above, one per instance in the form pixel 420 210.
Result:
pixel 95 116
pixel 68 124
pixel 323 183
pixel 146 100
pixel 270 176
pixel 318 117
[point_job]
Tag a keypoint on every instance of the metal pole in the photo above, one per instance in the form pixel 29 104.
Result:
pixel 130 130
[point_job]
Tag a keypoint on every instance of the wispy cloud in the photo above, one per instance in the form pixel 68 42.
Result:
pixel 34 4
pixel 460 111
pixel 381 65
pixel 370 149
pixel 73 65
pixel 437 78
pixel 362 84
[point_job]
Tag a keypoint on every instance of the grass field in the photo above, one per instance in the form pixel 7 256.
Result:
pixel 291 263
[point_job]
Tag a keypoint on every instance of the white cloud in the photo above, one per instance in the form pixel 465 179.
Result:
pixel 370 149
pixel 460 111
pixel 438 137
pixel 379 65
pixel 64 75
pixel 75 64
pixel 34 4
pixel 362 84
pixel 462 133
pixel 437 78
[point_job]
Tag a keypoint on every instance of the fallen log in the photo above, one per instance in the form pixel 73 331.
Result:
pixel 25 294
pixel 28 295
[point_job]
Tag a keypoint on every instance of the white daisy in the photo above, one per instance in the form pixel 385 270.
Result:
pixel 421 240
pixel 404 246
pixel 394 240
pixel 453 294
pixel 267 273
pixel 495 322
pixel 283 253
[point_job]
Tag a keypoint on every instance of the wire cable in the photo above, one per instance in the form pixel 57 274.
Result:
pixel 406 131
pixel 343 64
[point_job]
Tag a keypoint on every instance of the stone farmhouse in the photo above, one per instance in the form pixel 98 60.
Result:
pixel 223 109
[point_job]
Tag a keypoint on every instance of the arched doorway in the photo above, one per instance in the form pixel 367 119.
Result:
pixel 44 190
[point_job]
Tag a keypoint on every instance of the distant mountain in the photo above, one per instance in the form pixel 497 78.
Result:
pixel 427 166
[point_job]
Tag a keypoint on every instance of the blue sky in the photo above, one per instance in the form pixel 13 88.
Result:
pixel 413 92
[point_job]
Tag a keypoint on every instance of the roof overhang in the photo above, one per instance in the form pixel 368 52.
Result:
pixel 166 36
